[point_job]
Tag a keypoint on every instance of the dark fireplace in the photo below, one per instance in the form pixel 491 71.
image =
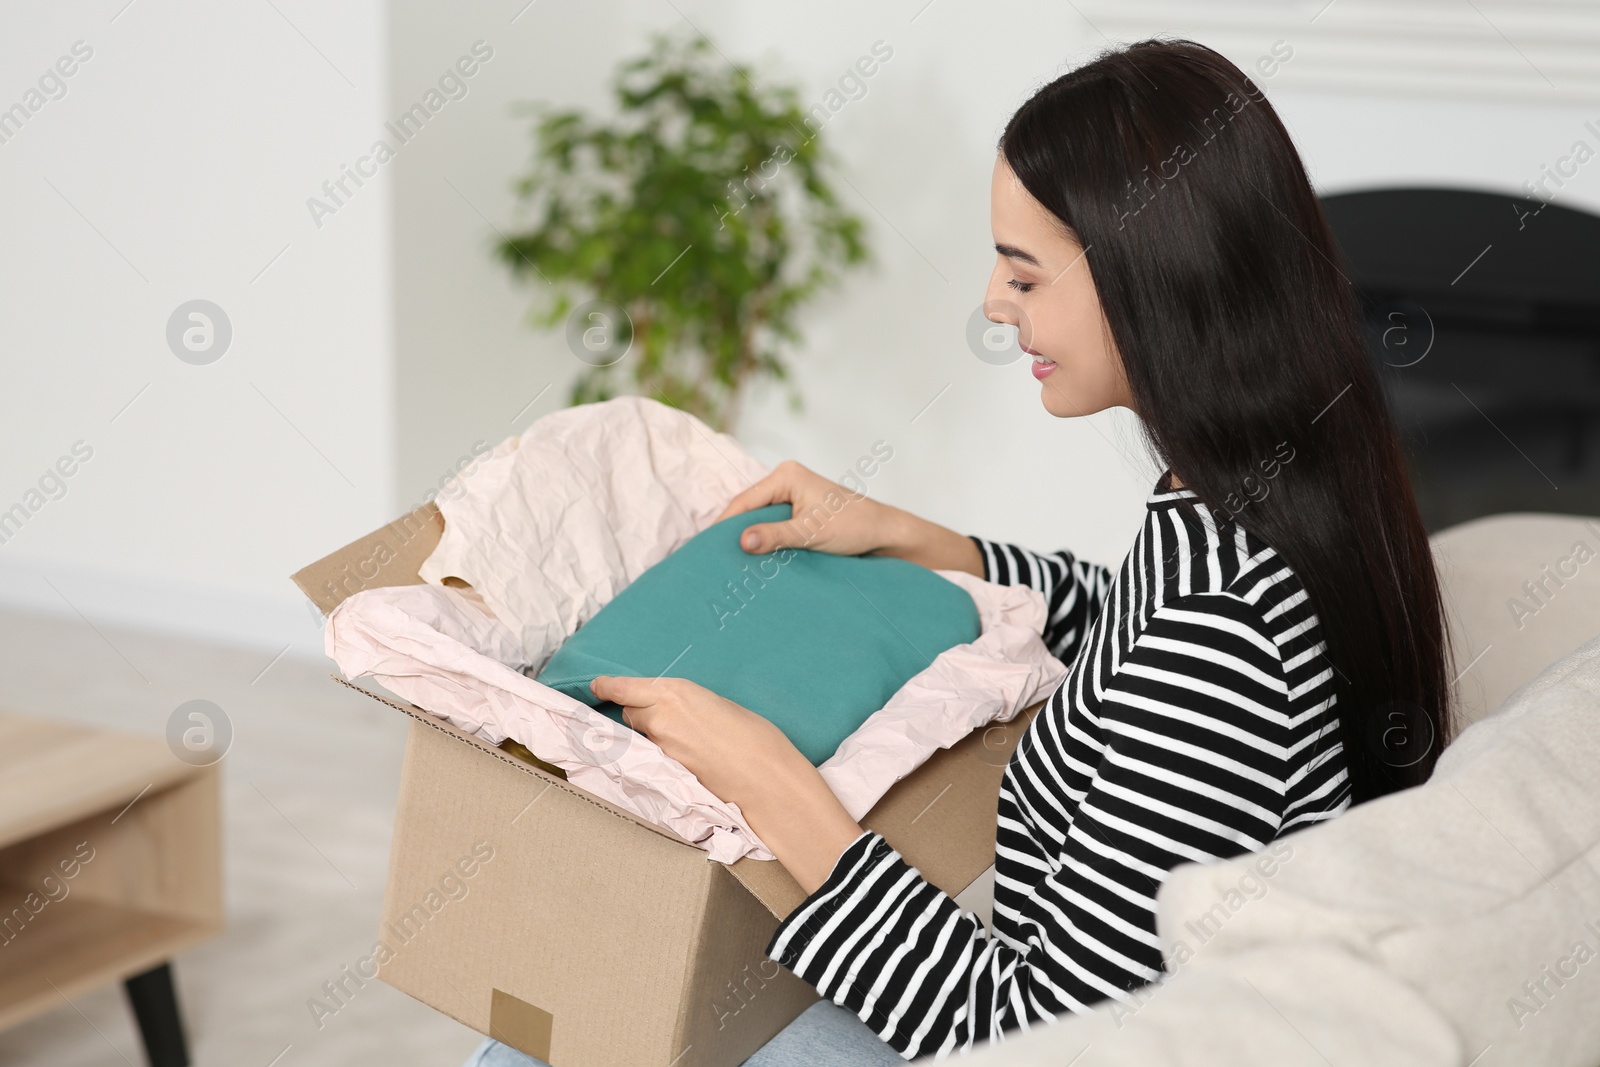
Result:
pixel 1483 311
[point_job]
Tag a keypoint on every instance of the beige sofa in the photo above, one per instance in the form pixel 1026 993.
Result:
pixel 1457 923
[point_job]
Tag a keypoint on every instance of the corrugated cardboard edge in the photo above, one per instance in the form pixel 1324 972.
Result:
pixel 769 882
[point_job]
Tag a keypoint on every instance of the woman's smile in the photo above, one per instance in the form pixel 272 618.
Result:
pixel 1042 365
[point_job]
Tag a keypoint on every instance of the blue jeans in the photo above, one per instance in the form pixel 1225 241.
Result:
pixel 825 1035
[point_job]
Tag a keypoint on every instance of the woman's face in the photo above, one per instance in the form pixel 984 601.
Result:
pixel 1041 285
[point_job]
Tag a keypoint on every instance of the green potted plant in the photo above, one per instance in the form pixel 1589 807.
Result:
pixel 680 240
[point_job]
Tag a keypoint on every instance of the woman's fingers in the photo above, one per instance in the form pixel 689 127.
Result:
pixel 776 488
pixel 629 692
pixel 771 536
pixel 806 493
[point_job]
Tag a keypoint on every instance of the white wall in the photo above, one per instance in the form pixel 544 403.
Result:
pixel 1360 141
pixel 177 166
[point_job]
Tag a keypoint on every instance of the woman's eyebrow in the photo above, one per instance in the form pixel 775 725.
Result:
pixel 1012 252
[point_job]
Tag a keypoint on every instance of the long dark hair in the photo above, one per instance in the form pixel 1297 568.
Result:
pixel 1241 342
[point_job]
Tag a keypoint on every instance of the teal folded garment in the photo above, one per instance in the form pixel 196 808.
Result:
pixel 813 642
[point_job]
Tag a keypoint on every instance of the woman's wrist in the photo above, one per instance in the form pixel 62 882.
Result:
pixel 799 819
pixel 916 540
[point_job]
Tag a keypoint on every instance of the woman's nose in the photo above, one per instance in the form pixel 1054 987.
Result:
pixel 1000 310
pixel 997 304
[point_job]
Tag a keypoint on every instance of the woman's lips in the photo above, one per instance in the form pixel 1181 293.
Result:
pixel 1042 367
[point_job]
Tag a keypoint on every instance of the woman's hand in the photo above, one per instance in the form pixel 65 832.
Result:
pixel 744 760
pixel 728 747
pixel 827 517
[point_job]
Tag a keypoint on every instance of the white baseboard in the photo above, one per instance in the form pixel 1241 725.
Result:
pixel 116 599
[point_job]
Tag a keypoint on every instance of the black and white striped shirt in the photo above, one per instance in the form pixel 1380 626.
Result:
pixel 1195 723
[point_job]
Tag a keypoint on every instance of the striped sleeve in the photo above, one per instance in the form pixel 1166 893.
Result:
pixel 1194 769
pixel 1074 590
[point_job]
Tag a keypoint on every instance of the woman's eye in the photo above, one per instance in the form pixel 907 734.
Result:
pixel 1021 287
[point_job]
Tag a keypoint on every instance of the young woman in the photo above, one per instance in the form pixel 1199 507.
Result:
pixel 1271 651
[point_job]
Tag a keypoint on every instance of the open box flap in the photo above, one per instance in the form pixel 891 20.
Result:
pixel 389 556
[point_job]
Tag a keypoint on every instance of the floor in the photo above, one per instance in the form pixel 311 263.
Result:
pixel 308 801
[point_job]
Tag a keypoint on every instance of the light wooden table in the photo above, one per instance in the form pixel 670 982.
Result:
pixel 110 863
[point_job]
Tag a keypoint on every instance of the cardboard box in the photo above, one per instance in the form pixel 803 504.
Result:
pixel 532 911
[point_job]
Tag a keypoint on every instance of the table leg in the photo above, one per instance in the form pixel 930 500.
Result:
pixel 155 1006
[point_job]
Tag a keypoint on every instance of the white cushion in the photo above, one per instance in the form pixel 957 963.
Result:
pixel 1402 932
